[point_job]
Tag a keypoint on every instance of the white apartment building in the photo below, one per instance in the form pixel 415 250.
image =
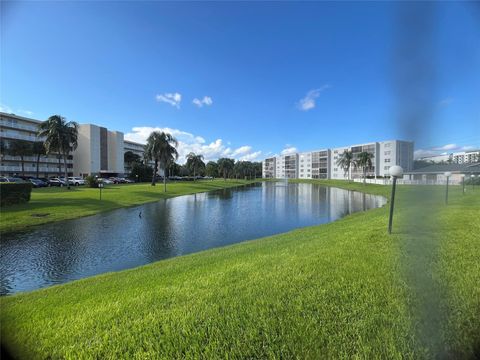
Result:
pixel 14 127
pixel 99 151
pixel 323 164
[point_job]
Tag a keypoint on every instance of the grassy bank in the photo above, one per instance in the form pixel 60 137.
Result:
pixel 340 290
pixel 55 204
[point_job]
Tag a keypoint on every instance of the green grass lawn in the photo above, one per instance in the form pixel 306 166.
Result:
pixel 62 204
pixel 340 290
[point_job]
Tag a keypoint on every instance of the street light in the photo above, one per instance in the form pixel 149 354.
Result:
pixel 395 172
pixel 447 175
pixel 100 186
pixel 473 181
pixel 463 183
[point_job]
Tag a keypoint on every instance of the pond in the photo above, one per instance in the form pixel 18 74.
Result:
pixel 64 251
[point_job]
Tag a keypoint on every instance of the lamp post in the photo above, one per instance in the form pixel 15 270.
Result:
pixel 463 184
pixel 100 186
pixel 472 177
pixel 447 175
pixel 396 172
pixel 136 177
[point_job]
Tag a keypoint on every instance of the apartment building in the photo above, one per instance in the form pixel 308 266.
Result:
pixel 14 127
pixel 323 164
pixel 99 151
pixel 459 157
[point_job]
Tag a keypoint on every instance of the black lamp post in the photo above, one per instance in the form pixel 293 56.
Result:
pixel 447 175
pixel 472 177
pixel 396 172
pixel 100 186
pixel 463 184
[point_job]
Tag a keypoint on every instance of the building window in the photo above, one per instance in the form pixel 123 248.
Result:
pixel 388 152
pixel 387 160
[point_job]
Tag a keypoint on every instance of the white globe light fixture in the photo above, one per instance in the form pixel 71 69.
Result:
pixel 396 172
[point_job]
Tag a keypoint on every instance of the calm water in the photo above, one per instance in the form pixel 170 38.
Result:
pixel 60 252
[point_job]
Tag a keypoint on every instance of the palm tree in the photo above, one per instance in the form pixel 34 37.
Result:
pixel 195 162
pixel 160 148
pixel 20 148
pixel 345 160
pixel 38 149
pixel 364 161
pixel 211 169
pixel 60 137
pixel 225 165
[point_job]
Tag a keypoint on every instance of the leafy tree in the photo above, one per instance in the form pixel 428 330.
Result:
pixel 194 163
pixel 161 149
pixel 130 158
pixel 225 166
pixel 20 148
pixel 345 161
pixel 211 169
pixel 60 137
pixel 38 149
pixel 143 171
pixel 174 169
pixel 364 161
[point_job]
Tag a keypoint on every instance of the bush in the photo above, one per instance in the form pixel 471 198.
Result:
pixel 91 181
pixel 144 172
pixel 14 193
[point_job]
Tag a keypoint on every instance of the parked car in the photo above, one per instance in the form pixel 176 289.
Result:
pixel 37 183
pixel 129 181
pixel 117 180
pixel 105 181
pixel 56 182
pixel 11 179
pixel 75 180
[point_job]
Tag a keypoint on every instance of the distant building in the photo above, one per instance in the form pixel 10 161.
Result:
pixel 460 157
pixel 322 164
pixel 435 174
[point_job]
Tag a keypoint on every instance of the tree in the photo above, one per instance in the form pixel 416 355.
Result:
pixel 211 169
pixel 38 149
pixel 225 166
pixel 161 149
pixel 364 161
pixel 345 160
pixel 130 158
pixel 141 172
pixel 20 148
pixel 195 162
pixel 60 137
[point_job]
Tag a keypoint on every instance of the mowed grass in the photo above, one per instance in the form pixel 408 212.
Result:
pixel 340 290
pixel 55 204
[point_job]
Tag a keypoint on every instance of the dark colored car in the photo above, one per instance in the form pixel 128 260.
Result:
pixel 56 182
pixel 37 183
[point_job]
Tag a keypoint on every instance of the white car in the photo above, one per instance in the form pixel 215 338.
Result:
pixel 75 180
pixel 105 181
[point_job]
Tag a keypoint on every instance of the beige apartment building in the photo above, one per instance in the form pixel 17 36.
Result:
pixel 99 151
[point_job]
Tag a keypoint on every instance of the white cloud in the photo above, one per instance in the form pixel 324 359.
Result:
pixel 445 102
pixel 188 142
pixel 173 99
pixel 251 157
pixel 446 147
pixel 7 109
pixel 289 150
pixel 207 101
pixel 309 101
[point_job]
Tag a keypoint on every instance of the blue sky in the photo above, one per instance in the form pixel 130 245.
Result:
pixel 249 79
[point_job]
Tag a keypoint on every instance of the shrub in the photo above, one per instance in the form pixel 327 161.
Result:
pixel 91 181
pixel 14 193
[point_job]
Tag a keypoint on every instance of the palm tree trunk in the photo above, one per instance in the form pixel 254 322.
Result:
pixel 23 165
pixel 38 162
pixel 66 170
pixel 164 179
pixel 155 167
pixel 194 173
pixel 59 167
pixel 364 175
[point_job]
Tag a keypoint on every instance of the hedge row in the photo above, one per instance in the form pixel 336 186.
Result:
pixel 14 193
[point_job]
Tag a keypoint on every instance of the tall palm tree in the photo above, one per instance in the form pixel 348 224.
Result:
pixel 225 166
pixel 161 149
pixel 20 148
pixel 60 137
pixel 195 162
pixel 345 161
pixel 38 149
pixel 364 161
